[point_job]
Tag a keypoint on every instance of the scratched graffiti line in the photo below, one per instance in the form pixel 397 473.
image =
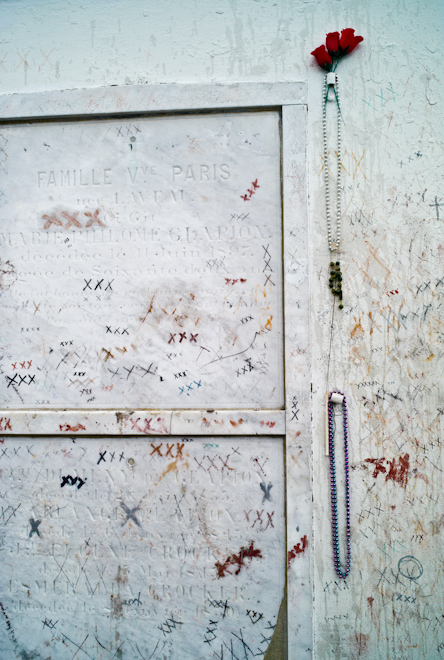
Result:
pixel 211 463
pixel 169 625
pixel 259 519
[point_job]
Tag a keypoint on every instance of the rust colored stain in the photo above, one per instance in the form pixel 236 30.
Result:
pixel 361 641
pixel 143 319
pixel 357 327
pixel 237 560
pixel 298 549
pixel 241 421
pixel 122 575
pixel 373 324
pixel 192 296
pixel 431 356
pixel 73 429
pixel 172 467
pixel 108 354
pixel 370 600
pixel 395 470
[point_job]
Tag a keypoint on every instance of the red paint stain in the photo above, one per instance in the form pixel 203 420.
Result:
pixel 379 467
pixel 232 282
pixel 241 421
pixel 298 549
pixel 269 424
pixel 149 425
pixel 250 191
pixel 5 424
pixel 399 472
pixel 398 468
pixel 237 560
pixel 67 428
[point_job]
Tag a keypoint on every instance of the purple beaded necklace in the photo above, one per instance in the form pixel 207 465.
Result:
pixel 338 397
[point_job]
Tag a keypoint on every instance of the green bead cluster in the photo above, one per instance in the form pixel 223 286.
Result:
pixel 335 281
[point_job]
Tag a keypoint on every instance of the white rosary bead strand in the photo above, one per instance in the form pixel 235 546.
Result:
pixel 332 246
pixel 327 190
pixel 338 203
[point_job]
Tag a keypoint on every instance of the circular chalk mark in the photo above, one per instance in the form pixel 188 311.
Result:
pixel 410 567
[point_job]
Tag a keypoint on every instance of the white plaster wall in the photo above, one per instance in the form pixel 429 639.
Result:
pixel 387 351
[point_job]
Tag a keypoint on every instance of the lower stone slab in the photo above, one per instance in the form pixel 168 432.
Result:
pixel 140 547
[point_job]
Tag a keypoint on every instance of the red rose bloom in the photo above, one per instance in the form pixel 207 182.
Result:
pixel 322 57
pixel 348 41
pixel 332 43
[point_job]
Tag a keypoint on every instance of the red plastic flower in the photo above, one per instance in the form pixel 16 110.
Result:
pixel 322 57
pixel 348 41
pixel 332 43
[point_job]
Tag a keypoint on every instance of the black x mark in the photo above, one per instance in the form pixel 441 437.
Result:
pixel 130 513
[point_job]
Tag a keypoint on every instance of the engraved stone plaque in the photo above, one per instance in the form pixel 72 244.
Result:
pixel 141 262
pixel 130 548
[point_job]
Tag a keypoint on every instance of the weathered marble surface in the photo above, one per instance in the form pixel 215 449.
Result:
pixel 163 549
pixel 143 263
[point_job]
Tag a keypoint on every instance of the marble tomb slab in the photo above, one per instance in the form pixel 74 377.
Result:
pixel 141 263
pixel 141 548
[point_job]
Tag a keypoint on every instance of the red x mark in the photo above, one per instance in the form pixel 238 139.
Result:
pixel 156 450
pixel 135 425
pixel 72 219
pixel 94 219
pixel 51 220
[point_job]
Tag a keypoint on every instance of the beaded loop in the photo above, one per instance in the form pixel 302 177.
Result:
pixel 334 503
